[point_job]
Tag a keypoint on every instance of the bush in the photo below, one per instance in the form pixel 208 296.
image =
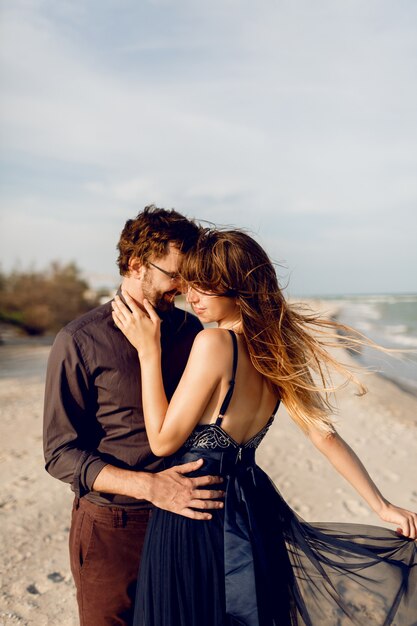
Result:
pixel 38 302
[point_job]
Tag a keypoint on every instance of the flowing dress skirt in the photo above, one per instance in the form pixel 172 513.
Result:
pixel 257 563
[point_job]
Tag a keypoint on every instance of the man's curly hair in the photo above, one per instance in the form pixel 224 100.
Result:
pixel 150 233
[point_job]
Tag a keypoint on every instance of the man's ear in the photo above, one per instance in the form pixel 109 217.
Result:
pixel 136 268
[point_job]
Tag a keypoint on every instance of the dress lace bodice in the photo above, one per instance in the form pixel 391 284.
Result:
pixel 212 437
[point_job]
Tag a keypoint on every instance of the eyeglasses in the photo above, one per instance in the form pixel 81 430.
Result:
pixel 171 275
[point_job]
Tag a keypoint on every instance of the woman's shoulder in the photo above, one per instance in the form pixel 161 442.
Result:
pixel 213 339
pixel 212 350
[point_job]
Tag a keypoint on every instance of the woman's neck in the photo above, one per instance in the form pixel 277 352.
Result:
pixel 234 324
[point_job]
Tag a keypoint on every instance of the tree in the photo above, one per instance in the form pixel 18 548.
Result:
pixel 37 301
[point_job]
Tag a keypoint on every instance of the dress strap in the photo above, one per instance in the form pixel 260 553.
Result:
pixel 276 406
pixel 229 393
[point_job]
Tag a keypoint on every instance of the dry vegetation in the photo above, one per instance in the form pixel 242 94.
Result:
pixel 43 301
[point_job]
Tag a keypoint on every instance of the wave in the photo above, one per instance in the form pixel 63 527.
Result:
pixel 390 321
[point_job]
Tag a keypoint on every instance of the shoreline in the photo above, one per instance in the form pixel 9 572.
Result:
pixel 333 312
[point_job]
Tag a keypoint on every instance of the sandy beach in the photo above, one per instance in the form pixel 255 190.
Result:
pixel 36 584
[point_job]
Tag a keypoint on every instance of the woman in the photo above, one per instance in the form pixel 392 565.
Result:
pixel 255 562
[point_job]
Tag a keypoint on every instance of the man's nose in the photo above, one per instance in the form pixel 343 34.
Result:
pixel 181 285
pixel 178 283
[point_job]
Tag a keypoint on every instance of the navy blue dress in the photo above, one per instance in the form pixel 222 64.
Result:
pixel 257 563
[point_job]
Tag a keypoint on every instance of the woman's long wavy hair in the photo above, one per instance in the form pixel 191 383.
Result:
pixel 287 344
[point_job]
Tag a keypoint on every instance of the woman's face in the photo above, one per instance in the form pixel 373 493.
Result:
pixel 210 307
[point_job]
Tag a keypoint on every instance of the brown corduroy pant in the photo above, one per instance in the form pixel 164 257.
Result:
pixel 105 548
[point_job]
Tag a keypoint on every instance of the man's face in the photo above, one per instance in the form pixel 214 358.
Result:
pixel 160 280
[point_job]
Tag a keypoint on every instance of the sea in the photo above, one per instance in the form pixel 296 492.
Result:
pixel 390 320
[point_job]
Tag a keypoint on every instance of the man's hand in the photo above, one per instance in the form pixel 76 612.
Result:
pixel 170 489
pixel 173 491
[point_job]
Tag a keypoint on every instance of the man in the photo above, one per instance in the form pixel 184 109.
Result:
pixel 94 434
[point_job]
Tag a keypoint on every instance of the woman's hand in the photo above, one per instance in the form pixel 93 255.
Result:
pixel 141 328
pixel 405 520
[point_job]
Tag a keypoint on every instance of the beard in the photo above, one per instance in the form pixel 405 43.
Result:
pixel 162 301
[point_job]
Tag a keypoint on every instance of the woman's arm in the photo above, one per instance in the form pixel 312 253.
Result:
pixel 168 426
pixel 347 463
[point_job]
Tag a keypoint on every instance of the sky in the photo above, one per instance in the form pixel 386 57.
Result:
pixel 295 120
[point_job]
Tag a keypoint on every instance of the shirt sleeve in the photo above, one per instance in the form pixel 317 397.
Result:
pixel 69 418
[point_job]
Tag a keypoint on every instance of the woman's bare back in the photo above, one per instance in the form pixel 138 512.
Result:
pixel 252 403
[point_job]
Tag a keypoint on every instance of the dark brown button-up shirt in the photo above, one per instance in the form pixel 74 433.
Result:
pixel 93 412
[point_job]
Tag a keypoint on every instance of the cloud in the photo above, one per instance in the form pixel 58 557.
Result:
pixel 290 119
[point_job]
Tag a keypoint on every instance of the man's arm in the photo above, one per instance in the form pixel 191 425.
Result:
pixel 68 430
pixel 69 449
pixel 170 489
